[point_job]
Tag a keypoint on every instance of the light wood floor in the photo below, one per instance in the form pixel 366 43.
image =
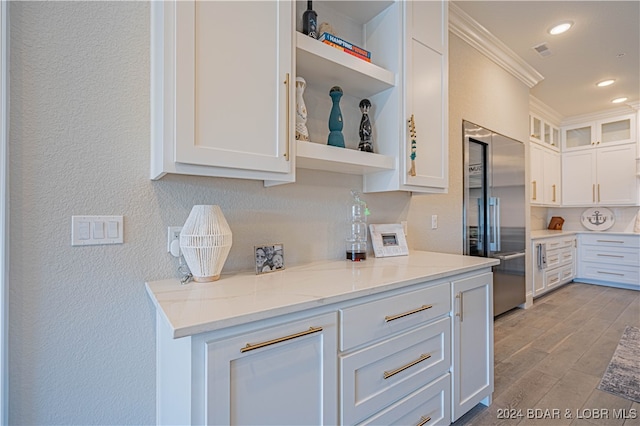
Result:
pixel 553 355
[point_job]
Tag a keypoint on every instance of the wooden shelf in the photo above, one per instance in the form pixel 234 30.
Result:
pixel 318 156
pixel 328 66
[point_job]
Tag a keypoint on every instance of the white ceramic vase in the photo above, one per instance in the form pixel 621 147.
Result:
pixel 205 241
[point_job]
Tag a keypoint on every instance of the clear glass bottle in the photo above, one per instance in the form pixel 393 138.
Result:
pixel 356 247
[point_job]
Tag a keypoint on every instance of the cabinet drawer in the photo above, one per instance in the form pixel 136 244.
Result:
pixel 378 375
pixel 611 255
pixel 557 243
pixel 426 406
pixel 554 277
pixel 621 274
pixel 566 256
pixel 611 240
pixel 381 318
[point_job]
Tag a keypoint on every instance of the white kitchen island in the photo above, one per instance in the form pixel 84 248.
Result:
pixel 382 341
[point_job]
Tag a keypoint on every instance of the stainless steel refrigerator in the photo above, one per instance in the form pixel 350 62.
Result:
pixel 494 210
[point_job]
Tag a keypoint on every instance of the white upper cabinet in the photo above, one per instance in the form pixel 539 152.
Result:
pixel 544 132
pixel 545 176
pixel 425 97
pixel 222 95
pixel 603 176
pixel 611 131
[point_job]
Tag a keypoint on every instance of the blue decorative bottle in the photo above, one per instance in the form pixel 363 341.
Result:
pixel 336 138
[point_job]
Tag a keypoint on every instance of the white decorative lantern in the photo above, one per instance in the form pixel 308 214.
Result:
pixel 205 241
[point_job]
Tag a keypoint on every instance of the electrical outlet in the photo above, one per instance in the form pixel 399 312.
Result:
pixel 173 234
pixel 434 221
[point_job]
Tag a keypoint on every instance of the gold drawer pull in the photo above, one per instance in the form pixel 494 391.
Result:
pixel 610 241
pixel 395 317
pixel 251 347
pixel 610 255
pixel 388 374
pixel 424 420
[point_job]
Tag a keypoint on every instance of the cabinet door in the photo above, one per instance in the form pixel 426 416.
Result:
pixel 222 94
pixel 551 178
pixel 620 130
pixel 536 175
pixel 291 380
pixel 578 136
pixel 579 178
pixel 426 98
pixel 472 343
pixel 617 181
pixel 535 127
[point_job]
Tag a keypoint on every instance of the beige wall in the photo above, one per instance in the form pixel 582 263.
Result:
pixel 484 93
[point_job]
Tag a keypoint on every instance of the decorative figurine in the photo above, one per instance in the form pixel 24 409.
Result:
pixel 336 138
pixel 412 132
pixel 302 134
pixel 366 143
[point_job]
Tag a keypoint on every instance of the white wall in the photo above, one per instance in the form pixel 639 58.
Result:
pixel 484 93
pixel 81 327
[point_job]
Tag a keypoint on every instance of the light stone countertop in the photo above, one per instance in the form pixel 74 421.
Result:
pixel 245 297
pixel 547 233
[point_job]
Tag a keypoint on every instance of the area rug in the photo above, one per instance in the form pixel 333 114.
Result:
pixel 622 377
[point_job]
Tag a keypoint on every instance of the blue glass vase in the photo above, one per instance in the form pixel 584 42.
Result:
pixel 336 138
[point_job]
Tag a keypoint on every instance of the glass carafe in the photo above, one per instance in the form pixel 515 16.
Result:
pixel 356 247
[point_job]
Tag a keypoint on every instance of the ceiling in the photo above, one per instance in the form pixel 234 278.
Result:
pixel 603 43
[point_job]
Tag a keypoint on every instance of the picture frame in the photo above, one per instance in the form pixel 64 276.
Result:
pixel 269 258
pixel 388 240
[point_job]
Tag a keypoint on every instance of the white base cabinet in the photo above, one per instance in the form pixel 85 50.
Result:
pixel 609 259
pixel 554 263
pixel 416 355
pixel 472 343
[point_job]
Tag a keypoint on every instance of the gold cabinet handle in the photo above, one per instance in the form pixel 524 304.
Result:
pixel 535 190
pixel 424 420
pixel 389 318
pixel 459 314
pixel 287 129
pixel 554 192
pixel 598 192
pixel 593 192
pixel 610 255
pixel 391 373
pixel 610 241
pixel 251 347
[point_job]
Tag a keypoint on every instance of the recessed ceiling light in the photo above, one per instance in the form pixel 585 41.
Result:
pixel 560 28
pixel 618 100
pixel 605 83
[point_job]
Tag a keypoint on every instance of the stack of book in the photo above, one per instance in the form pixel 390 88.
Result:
pixel 345 46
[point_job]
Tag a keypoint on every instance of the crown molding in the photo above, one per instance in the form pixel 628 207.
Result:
pixel 477 36
pixel 599 115
pixel 545 111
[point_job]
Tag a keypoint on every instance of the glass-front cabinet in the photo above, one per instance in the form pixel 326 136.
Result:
pixel 613 131
pixel 543 132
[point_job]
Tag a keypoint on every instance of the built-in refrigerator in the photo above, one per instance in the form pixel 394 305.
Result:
pixel 494 209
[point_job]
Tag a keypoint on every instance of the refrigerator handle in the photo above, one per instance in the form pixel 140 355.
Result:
pixel 494 224
pixel 480 244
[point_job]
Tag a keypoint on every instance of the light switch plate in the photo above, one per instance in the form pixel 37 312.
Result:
pixel 96 230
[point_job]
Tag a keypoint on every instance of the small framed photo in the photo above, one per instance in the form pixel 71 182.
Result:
pixel 388 240
pixel 269 258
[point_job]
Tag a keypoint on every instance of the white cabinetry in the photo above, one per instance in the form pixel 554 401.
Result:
pixel 282 374
pixel 543 132
pixel 610 131
pixel 545 176
pixel 425 96
pixel 554 263
pixel 395 357
pixel 472 343
pixel 385 371
pixel 215 112
pixel 600 176
pixel 609 259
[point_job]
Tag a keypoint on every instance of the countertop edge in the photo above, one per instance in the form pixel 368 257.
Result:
pixel 154 289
